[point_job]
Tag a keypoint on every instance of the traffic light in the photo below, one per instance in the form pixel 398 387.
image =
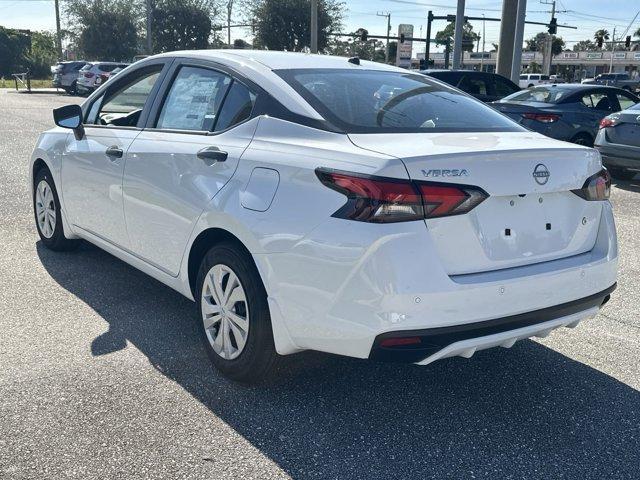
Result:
pixel 599 42
pixel 363 33
pixel 553 26
pixel 402 37
pixel 627 41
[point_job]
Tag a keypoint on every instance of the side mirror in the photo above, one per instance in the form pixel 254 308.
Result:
pixel 69 116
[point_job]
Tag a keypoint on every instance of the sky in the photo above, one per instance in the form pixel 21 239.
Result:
pixel 587 15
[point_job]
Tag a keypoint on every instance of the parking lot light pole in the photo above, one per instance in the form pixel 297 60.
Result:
pixel 457 45
pixel 314 26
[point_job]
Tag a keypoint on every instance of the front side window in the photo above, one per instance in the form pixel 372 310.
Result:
pixel 193 100
pixel 123 106
pixel 371 101
pixel 474 85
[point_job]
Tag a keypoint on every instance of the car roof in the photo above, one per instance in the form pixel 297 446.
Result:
pixel 259 66
pixel 276 60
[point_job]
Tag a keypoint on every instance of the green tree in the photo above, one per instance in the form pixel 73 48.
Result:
pixel 637 33
pixel 286 24
pixel 602 33
pixel 469 37
pixel 43 53
pixel 104 29
pixel 537 43
pixel 354 47
pixel 180 25
pixel 14 47
pixel 585 46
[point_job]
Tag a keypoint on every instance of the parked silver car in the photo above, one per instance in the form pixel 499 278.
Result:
pixel 618 141
pixel 94 74
pixel 65 75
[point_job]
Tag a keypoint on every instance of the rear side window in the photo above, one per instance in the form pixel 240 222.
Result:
pixel 624 101
pixel 503 88
pixel 372 101
pixel 535 77
pixel 193 100
pixel 237 106
pixel 597 101
pixel 523 77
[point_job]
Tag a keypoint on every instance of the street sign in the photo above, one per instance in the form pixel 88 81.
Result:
pixel 405 49
pixel 594 55
pixel 619 55
pixel 570 55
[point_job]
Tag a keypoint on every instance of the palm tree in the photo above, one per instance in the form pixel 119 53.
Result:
pixel 602 33
pixel 637 33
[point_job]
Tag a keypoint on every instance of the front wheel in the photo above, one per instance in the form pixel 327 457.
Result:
pixel 235 324
pixel 46 208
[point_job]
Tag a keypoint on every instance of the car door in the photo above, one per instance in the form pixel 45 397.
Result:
pixel 93 165
pixel 196 135
pixel 598 105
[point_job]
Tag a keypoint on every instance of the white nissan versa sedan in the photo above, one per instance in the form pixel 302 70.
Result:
pixel 324 203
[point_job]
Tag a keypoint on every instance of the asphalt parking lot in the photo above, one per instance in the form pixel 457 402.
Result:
pixel 102 376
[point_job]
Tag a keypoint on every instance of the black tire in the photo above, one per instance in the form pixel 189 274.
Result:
pixel 583 139
pixel 621 173
pixel 258 361
pixel 530 85
pixel 57 241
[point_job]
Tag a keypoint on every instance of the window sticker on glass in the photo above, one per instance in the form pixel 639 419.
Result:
pixel 194 100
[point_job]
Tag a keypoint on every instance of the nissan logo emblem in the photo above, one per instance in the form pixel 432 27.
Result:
pixel 541 174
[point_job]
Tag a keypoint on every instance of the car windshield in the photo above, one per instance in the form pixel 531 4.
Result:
pixel 370 101
pixel 537 94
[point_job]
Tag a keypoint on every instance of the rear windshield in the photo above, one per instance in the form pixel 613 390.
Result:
pixel 370 101
pixel 634 107
pixel 537 94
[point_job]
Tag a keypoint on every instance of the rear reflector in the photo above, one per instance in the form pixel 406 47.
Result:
pixel 596 187
pixel 386 200
pixel 400 341
pixel 542 117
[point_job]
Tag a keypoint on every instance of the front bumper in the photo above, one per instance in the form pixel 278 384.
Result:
pixel 464 340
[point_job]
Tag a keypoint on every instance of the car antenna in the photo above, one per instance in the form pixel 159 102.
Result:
pixel 354 60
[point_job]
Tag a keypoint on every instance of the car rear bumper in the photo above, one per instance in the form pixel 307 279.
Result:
pixel 343 298
pixel 464 340
pixel 620 157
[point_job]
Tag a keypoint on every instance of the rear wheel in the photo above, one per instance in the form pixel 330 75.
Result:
pixel 583 139
pixel 621 173
pixel 235 324
pixel 46 208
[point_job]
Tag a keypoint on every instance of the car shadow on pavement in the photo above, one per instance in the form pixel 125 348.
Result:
pixel 526 413
pixel 628 185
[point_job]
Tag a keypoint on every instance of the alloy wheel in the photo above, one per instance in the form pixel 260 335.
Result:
pixel 45 209
pixel 225 312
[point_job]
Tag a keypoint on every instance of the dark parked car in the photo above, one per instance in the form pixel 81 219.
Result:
pixel 485 86
pixel 618 141
pixel 570 112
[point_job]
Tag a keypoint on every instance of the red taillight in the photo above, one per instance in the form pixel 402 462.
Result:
pixel 400 341
pixel 608 122
pixel 89 75
pixel 386 200
pixel 542 117
pixel 596 187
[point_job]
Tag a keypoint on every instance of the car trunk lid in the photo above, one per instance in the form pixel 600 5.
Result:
pixel 531 214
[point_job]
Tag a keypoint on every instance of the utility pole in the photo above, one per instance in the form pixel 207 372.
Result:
pixel 149 40
pixel 386 49
pixel 229 8
pixel 457 46
pixel 483 48
pixel 428 44
pixel 613 49
pixel 546 68
pixel 314 26
pixel 516 63
pixel 507 33
pixel 58 32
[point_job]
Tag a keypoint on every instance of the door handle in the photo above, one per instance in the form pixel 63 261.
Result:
pixel 210 155
pixel 114 152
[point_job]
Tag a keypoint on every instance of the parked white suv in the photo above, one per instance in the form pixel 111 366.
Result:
pixel 92 75
pixel 324 203
pixel 533 79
